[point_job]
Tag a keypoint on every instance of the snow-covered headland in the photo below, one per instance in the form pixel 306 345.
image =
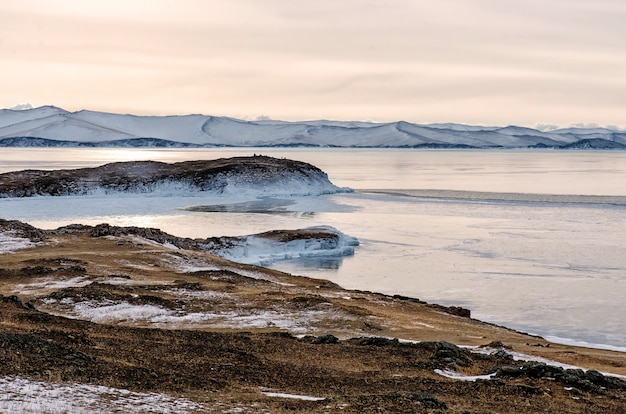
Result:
pixel 234 178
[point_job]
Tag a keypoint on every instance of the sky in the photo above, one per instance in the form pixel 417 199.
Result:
pixel 487 62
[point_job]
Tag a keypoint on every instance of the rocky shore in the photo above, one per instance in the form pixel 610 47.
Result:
pixel 134 310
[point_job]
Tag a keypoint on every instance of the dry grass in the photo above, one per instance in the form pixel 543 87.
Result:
pixel 229 367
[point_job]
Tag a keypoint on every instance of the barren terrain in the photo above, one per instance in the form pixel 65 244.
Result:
pixel 123 311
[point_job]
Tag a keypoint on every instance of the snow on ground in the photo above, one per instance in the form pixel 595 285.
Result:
pixel 20 395
pixel 9 242
pixel 292 396
pixel 296 321
pixel 50 284
pixel 263 251
pixel 204 295
pixel 186 264
pixel 455 375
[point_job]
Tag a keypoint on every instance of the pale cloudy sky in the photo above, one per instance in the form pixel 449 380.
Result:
pixel 494 62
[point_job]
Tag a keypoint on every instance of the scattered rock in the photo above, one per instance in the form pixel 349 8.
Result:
pixel 453 310
pixel 450 354
pixel 502 354
pixel 409 299
pixel 24 230
pixel 578 378
pixel 377 341
pixel 496 344
pixel 325 339
pixel 17 301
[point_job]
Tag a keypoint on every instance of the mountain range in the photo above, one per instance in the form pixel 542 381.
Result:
pixel 50 126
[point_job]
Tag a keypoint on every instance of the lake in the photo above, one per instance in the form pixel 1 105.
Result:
pixel 530 239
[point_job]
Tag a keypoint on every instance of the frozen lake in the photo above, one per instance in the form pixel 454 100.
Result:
pixel 533 240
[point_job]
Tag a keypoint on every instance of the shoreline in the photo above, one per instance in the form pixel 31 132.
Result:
pixel 127 312
pixel 158 239
pixel 435 267
pixel 168 241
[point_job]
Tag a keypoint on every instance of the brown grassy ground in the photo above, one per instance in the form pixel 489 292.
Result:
pixel 228 362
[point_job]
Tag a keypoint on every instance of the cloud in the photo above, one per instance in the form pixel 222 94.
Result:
pixel 472 61
pixel 585 125
pixel 546 127
pixel 593 125
pixel 21 107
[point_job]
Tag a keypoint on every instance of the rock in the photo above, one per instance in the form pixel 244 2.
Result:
pixel 452 310
pixel 496 344
pixel 595 376
pixel 451 354
pixel 20 229
pixel 36 270
pixel 408 299
pixel 377 341
pixel 325 339
pixel 17 301
pixel 502 354
pixel 509 371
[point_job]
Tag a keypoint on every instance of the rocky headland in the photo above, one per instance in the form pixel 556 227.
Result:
pixel 259 174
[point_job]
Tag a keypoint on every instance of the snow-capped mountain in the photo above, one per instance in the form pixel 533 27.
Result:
pixel 49 126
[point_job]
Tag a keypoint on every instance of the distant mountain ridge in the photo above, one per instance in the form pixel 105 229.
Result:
pixel 49 126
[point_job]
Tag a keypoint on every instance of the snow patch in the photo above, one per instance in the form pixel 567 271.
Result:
pixel 20 395
pixel 10 243
pixel 205 295
pixel 187 264
pixel 458 376
pixel 297 321
pixel 292 396
pixel 50 284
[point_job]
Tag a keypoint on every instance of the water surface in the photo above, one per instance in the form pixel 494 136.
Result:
pixel 533 240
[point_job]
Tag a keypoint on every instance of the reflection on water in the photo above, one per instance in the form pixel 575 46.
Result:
pixel 296 266
pixel 265 206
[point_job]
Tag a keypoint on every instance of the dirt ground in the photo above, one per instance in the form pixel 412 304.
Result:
pixel 222 333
